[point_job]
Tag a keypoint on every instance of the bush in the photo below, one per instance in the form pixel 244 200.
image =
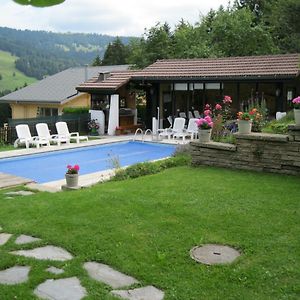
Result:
pixel 280 126
pixel 76 110
pixel 148 168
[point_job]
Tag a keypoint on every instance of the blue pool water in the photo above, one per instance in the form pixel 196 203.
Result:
pixel 51 166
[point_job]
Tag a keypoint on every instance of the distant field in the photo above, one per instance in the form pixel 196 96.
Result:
pixel 8 70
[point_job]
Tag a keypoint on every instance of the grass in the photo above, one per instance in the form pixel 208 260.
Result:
pixel 145 227
pixel 8 69
pixel 280 126
pixel 6 147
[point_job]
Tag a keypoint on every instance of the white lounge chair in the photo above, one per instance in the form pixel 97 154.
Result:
pixel 25 137
pixel 63 132
pixel 44 132
pixel 178 127
pixel 191 116
pixel 182 114
pixel 192 129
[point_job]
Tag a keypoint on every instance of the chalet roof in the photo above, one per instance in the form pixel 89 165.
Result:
pixel 244 67
pixel 109 84
pixel 60 87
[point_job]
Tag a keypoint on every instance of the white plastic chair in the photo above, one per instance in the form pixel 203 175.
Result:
pixel 191 116
pixel 280 115
pixel 44 132
pixel 192 129
pixel 196 114
pixel 63 132
pixel 180 131
pixel 25 137
pixel 178 127
pixel 182 114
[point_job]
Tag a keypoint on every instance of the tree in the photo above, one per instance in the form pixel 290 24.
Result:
pixel 1 77
pixel 97 61
pixel 39 3
pixel 235 33
pixel 116 53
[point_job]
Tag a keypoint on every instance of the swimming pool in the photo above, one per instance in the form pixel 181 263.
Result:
pixel 51 166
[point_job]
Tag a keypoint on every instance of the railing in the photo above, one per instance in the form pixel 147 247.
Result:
pixel 75 123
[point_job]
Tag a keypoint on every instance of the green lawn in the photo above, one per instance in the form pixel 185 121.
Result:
pixel 146 227
pixel 8 70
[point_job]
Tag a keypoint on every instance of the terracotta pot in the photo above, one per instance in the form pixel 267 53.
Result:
pixel 297 116
pixel 72 180
pixel 204 135
pixel 244 126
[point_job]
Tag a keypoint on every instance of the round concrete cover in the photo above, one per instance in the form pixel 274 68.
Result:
pixel 214 254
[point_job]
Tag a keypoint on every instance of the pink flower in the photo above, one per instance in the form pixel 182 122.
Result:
pixel 227 100
pixel 218 107
pixel 76 167
pixel 211 124
pixel 207 112
pixel 69 167
pixel 296 100
pixel 207 106
pixel 207 119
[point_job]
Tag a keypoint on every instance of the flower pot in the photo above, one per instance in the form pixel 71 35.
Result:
pixel 94 131
pixel 72 180
pixel 204 135
pixel 244 126
pixel 297 116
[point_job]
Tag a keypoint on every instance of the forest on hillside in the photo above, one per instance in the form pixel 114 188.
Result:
pixel 246 27
pixel 42 53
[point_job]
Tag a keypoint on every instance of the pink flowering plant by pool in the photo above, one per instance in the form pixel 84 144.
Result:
pixel 72 169
pixel 296 102
pixel 205 123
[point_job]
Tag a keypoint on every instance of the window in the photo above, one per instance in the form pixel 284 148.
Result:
pixel 47 111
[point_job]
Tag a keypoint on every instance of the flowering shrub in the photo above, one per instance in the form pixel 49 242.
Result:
pixel 296 102
pixel 205 123
pixel 72 170
pixel 253 114
pixel 93 125
pixel 227 100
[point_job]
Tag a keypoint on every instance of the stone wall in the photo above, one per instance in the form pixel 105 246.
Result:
pixel 256 151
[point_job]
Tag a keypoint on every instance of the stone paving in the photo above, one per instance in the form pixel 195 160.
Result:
pixel 46 253
pixel 71 288
pixel 26 239
pixel 14 275
pixel 4 237
pixel 19 193
pixel 61 289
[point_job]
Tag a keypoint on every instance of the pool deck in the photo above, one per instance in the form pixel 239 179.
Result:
pixel 84 180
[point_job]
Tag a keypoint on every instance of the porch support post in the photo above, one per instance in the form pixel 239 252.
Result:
pixel 113 120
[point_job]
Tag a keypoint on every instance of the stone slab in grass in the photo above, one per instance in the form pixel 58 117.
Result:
pixel 46 253
pixel 108 275
pixel 14 275
pixel 211 254
pixel 55 270
pixel 4 237
pixel 26 239
pixel 19 193
pixel 144 293
pixel 61 289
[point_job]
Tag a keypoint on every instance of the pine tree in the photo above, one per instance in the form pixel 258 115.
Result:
pixel 97 61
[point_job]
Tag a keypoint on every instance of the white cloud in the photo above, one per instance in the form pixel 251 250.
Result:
pixel 113 17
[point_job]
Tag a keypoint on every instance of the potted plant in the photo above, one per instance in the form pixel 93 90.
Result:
pixel 245 120
pixel 72 176
pixel 296 105
pixel 204 127
pixel 93 126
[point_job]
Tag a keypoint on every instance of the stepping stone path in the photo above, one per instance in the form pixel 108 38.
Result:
pixel 4 237
pixel 55 270
pixel 19 193
pixel 144 293
pixel 46 253
pixel 14 275
pixel 26 239
pixel 71 288
pixel 108 275
pixel 211 254
pixel 61 289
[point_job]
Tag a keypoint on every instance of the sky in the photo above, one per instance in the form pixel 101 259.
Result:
pixel 113 17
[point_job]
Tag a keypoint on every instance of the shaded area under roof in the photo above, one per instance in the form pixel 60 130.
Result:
pixel 244 67
pixel 59 87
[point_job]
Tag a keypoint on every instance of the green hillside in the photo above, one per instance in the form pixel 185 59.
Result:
pixel 11 78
